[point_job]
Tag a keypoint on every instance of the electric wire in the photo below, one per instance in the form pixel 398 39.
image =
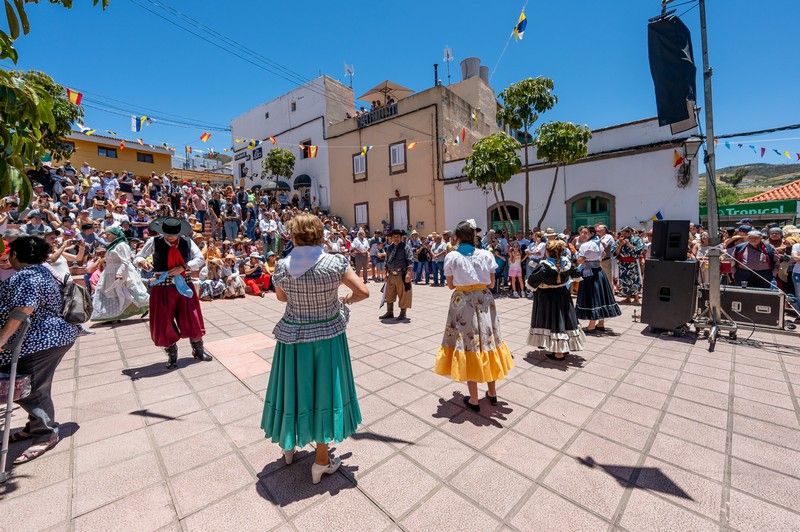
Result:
pixel 283 72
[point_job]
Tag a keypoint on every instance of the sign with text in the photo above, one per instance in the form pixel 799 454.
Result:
pixel 784 207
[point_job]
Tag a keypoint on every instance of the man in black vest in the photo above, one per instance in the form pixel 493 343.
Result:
pixel 172 315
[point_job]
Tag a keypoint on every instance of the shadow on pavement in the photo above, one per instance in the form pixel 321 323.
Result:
pixel 646 478
pixel 121 323
pixel 538 358
pixel 157 369
pixel 284 484
pixel 147 413
pixel 455 412
pixel 379 437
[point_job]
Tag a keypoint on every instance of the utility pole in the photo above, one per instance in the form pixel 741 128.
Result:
pixel 711 189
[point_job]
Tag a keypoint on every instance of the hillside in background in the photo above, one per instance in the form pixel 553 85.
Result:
pixel 755 179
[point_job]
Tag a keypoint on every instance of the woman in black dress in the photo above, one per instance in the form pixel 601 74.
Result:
pixel 554 325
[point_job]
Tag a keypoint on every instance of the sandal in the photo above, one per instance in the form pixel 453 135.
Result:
pixel 492 399
pixel 35 451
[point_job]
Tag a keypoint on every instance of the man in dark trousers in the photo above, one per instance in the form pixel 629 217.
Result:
pixel 174 306
pixel 399 265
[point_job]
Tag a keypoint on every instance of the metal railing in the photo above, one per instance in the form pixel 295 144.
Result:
pixel 376 115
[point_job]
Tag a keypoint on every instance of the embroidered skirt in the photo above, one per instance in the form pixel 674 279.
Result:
pixel 554 325
pixel 596 298
pixel 472 348
pixel 311 395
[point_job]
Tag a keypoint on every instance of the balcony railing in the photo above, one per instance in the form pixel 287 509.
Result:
pixel 381 113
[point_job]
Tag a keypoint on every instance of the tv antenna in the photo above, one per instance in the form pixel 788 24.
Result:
pixel 349 71
pixel 448 58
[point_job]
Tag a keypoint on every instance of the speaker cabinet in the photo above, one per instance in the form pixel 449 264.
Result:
pixel 669 299
pixel 750 306
pixel 670 240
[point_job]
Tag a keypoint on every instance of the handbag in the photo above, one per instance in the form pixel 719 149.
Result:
pixel 76 306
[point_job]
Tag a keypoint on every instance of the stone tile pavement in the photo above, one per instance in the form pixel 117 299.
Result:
pixel 639 432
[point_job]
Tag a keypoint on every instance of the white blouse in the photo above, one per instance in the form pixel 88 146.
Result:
pixel 590 250
pixel 475 269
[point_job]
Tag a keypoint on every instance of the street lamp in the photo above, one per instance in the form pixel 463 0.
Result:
pixel 691 146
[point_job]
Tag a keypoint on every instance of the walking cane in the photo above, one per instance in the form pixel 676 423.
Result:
pixel 12 378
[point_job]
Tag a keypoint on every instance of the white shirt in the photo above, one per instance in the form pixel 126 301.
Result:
pixel 590 250
pixel 606 240
pixel 360 244
pixel 796 250
pixel 475 269
pixel 196 260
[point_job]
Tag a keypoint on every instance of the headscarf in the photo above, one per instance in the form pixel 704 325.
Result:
pixel 120 238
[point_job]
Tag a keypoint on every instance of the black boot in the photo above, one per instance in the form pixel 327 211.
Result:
pixel 389 312
pixel 172 356
pixel 402 315
pixel 199 353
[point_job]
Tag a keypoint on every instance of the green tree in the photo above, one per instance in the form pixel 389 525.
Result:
pixel 523 102
pixel 560 143
pixel 726 195
pixel 279 162
pixel 492 163
pixel 735 178
pixel 34 112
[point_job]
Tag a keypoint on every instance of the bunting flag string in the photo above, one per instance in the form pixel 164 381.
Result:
pixel 138 122
pixel 762 151
pixel 86 130
pixel 522 23
pixel 205 136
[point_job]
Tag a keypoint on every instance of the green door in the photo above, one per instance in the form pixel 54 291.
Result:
pixel 591 210
pixel 497 222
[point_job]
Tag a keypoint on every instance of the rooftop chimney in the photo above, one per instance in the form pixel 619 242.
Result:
pixel 470 68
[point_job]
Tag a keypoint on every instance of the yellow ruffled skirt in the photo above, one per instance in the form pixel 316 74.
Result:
pixel 472 348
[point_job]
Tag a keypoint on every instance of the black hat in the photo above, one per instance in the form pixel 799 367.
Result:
pixel 170 226
pixel 396 232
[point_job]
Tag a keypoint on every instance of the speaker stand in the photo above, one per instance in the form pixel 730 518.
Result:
pixel 704 323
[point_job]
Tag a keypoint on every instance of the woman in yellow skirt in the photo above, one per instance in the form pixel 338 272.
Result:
pixel 472 348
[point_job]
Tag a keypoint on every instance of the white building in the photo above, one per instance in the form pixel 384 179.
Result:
pixel 628 177
pixel 299 117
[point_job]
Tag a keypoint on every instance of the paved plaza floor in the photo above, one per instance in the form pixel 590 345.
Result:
pixel 639 432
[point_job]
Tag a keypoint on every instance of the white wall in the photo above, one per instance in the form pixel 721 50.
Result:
pixel 290 128
pixel 642 184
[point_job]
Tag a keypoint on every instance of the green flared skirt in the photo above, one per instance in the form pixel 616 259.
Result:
pixel 311 394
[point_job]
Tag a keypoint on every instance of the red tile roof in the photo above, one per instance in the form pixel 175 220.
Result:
pixel 788 191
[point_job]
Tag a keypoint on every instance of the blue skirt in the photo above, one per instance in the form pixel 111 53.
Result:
pixel 311 394
pixel 595 299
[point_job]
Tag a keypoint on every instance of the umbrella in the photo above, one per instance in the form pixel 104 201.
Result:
pixel 270 184
pixel 283 185
pixel 383 90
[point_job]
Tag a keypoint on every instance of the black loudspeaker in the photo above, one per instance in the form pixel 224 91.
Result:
pixel 669 299
pixel 749 306
pixel 670 240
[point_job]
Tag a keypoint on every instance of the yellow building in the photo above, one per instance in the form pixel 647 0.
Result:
pixel 202 177
pixel 400 179
pixel 118 155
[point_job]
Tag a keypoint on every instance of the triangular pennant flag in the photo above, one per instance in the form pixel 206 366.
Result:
pixel 253 143
pixel 727 144
pixel 463 134
pixel 239 141
pixel 112 133
pixel 187 149
pixel 798 156
pixel 474 116
pixel 140 141
pixel 365 149
pixel 85 130
pixel 273 140
pixel 763 151
pixel 677 158
pixel 740 145
pixel 74 97
pixel 312 152
pixel 752 148
pixel 786 153
pixel 412 145
pixel 777 152
pixel 205 136
pixel 122 145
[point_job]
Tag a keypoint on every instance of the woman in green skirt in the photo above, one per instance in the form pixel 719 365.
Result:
pixel 311 396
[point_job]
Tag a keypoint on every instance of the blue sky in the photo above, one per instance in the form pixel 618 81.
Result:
pixel 596 52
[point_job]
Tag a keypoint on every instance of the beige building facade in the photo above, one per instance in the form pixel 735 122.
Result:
pixel 399 181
